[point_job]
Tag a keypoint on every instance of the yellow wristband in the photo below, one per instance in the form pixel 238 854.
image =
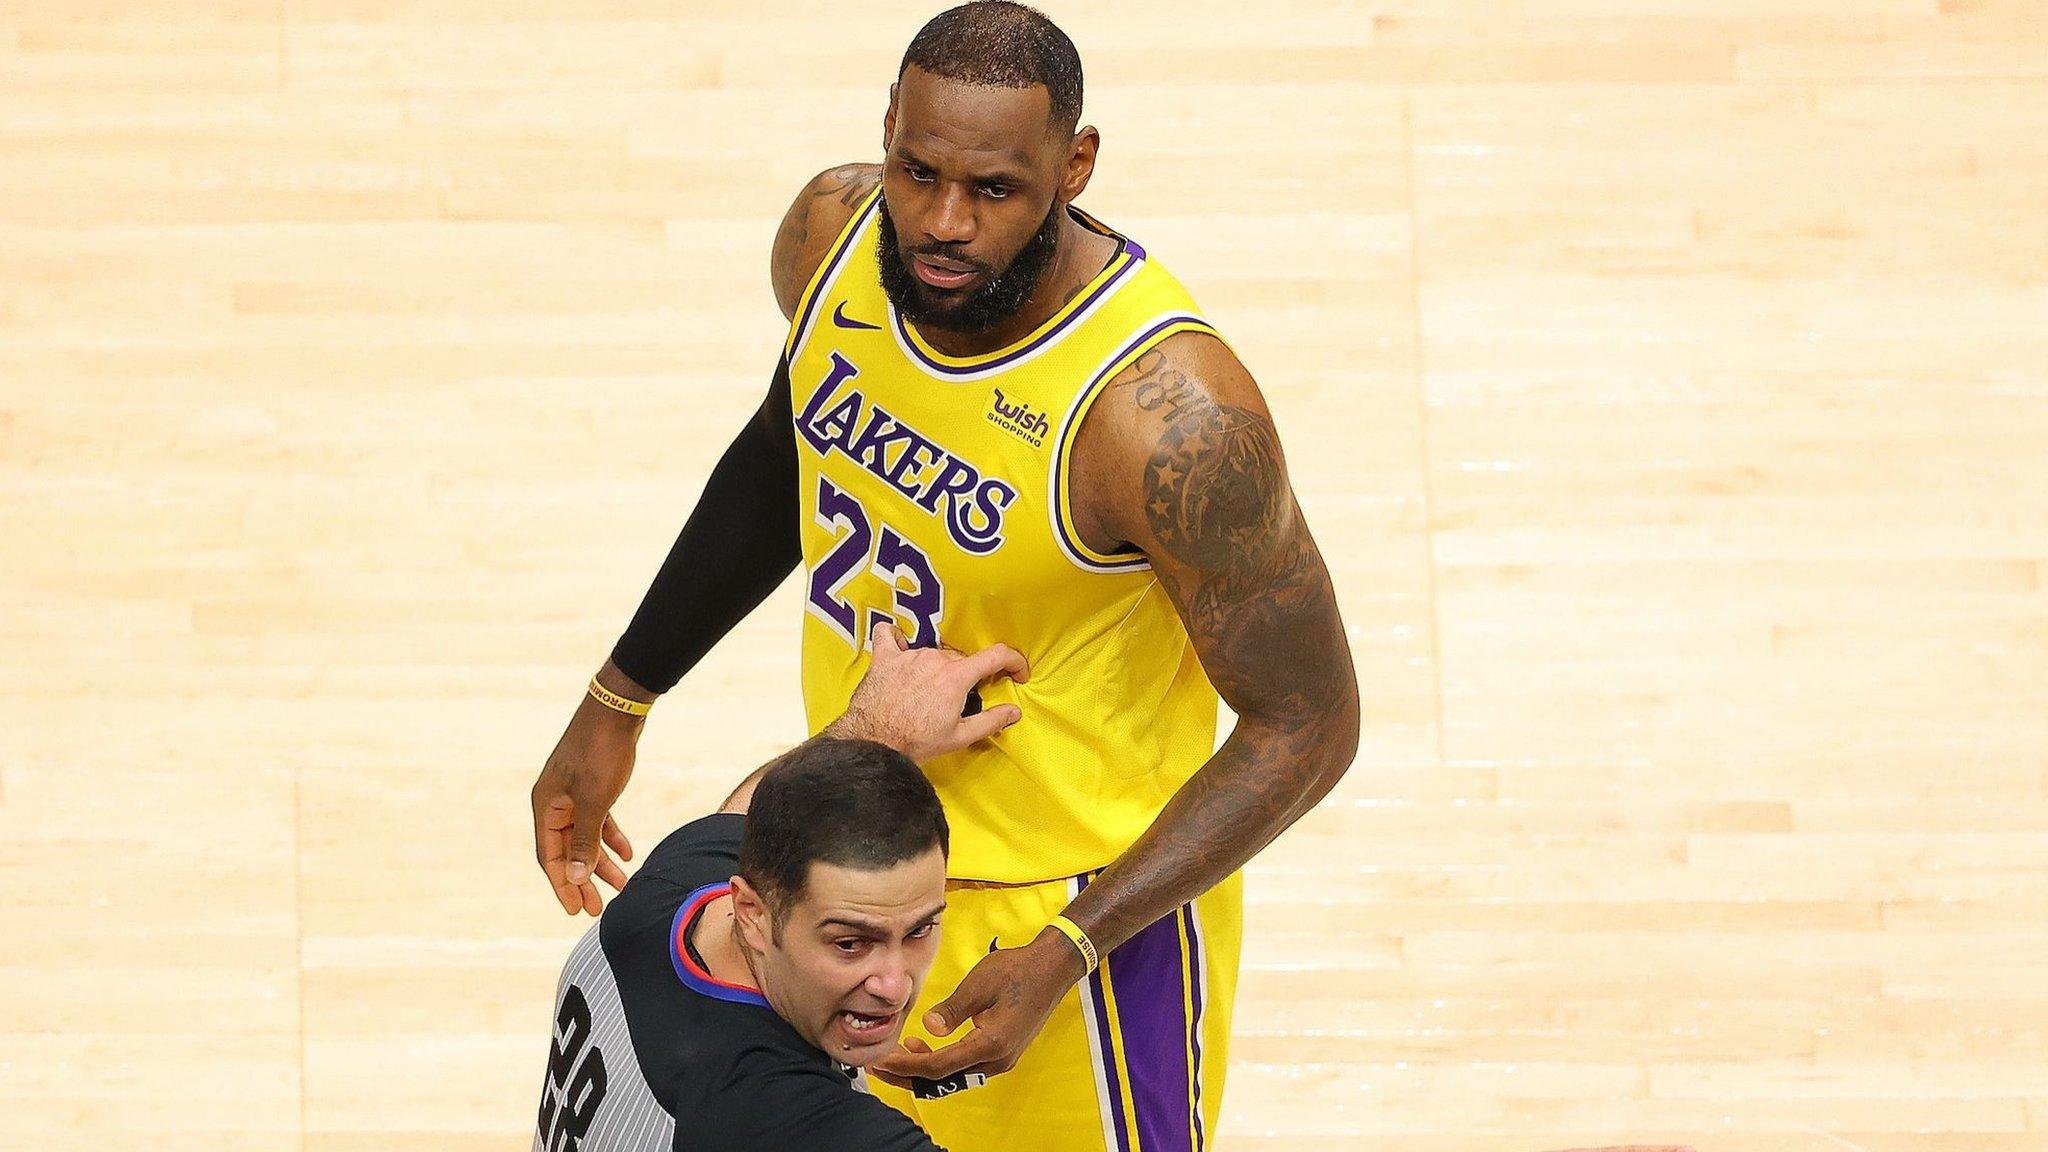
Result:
pixel 616 702
pixel 1072 931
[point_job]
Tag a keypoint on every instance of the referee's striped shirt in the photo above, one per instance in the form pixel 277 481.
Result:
pixel 651 1054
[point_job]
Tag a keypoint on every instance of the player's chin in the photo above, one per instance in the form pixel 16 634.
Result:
pixel 941 305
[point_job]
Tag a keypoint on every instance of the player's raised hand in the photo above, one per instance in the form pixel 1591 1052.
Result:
pixel 572 803
pixel 911 698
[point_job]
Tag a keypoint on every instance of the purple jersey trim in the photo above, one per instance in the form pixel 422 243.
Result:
pixel 1105 1038
pixel 1195 977
pixel 1069 540
pixel 821 285
pixel 1149 978
pixel 1128 256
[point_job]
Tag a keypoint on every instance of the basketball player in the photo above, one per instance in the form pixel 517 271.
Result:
pixel 996 417
pixel 727 998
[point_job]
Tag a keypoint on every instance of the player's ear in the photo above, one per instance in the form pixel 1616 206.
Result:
pixel 1080 163
pixel 889 120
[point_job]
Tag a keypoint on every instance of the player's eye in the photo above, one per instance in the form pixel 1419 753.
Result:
pixel 925 930
pixel 921 175
pixel 851 945
pixel 994 191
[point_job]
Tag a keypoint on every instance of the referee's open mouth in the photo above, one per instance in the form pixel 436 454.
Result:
pixel 864 1029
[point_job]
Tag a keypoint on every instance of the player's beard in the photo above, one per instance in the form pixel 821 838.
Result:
pixel 999 296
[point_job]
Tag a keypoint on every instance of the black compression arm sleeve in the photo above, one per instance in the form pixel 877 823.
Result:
pixel 736 547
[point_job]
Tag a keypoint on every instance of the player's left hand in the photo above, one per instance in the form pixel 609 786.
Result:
pixel 1008 996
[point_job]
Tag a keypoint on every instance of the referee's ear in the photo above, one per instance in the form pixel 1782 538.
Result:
pixel 756 919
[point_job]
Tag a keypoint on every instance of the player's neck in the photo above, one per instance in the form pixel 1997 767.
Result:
pixel 1081 255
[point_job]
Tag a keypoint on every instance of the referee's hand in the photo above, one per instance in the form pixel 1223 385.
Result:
pixel 911 698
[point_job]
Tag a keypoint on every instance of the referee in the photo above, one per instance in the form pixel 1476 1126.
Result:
pixel 765 954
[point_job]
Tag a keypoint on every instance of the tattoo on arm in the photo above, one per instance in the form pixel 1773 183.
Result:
pixel 793 257
pixel 1213 492
pixel 790 239
pixel 1158 384
pixel 1228 542
pixel 857 180
pixel 1249 579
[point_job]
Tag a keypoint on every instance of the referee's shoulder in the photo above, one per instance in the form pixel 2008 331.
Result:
pixel 778 1098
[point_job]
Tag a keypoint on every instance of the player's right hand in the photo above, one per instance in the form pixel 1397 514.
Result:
pixel 572 803
pixel 911 698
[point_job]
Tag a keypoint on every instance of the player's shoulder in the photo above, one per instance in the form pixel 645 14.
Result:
pixel 1191 378
pixel 1184 414
pixel 815 218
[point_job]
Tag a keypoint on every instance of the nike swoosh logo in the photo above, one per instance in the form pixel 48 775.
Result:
pixel 839 317
pixel 992 944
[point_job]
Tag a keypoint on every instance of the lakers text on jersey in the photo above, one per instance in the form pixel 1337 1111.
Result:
pixel 934 494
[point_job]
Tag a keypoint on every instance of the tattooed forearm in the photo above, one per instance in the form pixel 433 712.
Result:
pixel 1274 645
pixel 1243 798
pixel 1227 541
pixel 1282 660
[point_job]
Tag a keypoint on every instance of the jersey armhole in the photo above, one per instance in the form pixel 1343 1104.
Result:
pixel 1058 500
pixel 828 271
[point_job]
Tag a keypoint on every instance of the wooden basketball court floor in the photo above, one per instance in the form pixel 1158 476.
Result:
pixel 1667 383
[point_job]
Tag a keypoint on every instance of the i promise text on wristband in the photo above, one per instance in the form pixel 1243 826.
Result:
pixel 616 702
pixel 1072 931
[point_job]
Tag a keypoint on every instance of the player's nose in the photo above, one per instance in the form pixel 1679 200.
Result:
pixel 951 220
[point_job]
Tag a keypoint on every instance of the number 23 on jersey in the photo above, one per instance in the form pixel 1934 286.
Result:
pixel 862 542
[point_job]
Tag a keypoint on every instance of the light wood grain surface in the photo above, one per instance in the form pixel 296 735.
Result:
pixel 1666 380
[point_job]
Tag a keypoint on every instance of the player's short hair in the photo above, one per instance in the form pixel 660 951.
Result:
pixel 850 803
pixel 1000 44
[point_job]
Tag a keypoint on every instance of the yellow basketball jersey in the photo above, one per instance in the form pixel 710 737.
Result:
pixel 933 494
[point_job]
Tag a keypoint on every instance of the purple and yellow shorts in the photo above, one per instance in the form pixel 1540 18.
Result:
pixel 1131 1061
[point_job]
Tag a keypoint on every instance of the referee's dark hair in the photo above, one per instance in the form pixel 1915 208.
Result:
pixel 850 803
pixel 1000 44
